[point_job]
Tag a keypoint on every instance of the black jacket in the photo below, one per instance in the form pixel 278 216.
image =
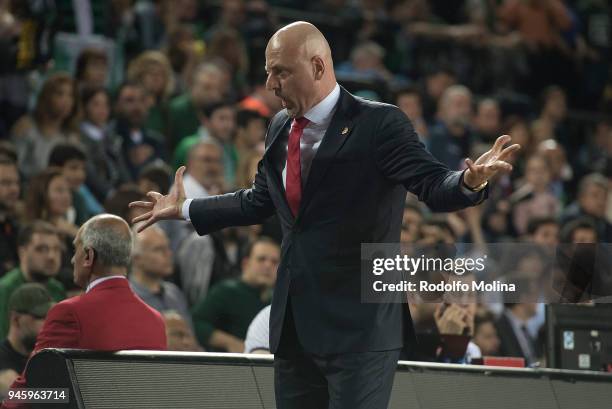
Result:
pixel 354 194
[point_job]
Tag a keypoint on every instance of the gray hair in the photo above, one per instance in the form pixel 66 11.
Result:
pixel 592 179
pixel 201 143
pixel 113 246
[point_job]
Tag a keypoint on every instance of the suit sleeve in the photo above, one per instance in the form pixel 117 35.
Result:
pixel 403 159
pixel 241 208
pixel 60 330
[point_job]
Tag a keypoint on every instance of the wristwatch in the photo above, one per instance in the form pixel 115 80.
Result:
pixel 477 188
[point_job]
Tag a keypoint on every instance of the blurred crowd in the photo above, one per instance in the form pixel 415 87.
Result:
pixel 101 101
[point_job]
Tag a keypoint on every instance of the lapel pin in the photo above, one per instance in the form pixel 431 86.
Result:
pixel 345 130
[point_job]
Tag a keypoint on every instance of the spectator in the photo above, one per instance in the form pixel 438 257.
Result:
pixel 250 133
pixel 450 140
pixel 51 122
pixel 70 158
pixel 540 24
pixel 562 174
pixel 152 264
pixel 435 82
pixel 227 44
pixel 140 144
pixel 596 156
pixel 411 224
pixel 156 177
pixel 579 230
pixel 218 124
pixel 179 334
pixel 409 101
pixel 261 99
pixel 487 122
pixel 552 116
pixel 152 70
pixel 485 334
pixel 108 316
pixel 366 64
pixel 9 225
pixel 222 318
pixel 543 231
pixel 118 202
pixel 534 198
pixel 592 203
pixel 518 127
pixel 258 335
pixel 202 262
pixel 91 68
pixel 204 174
pixel 27 308
pixel 106 167
pixel 184 49
pixel 183 118
pixel 516 341
pixel 40 251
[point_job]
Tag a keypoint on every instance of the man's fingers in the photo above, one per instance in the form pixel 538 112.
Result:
pixel 500 165
pixel 144 225
pixel 178 177
pixel 144 205
pixel 507 152
pixel 500 142
pixel 142 217
pixel 155 196
pixel 471 165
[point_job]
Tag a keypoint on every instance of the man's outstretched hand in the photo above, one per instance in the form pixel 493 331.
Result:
pixel 162 207
pixel 491 162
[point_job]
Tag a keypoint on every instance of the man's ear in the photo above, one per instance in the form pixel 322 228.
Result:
pixel 318 67
pixel 13 317
pixel 90 255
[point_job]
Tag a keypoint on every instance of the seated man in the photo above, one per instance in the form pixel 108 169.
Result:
pixel 28 307
pixel 40 258
pixel 222 318
pixel 179 334
pixel 108 316
pixel 151 265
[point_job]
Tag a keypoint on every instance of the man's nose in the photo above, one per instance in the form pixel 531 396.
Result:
pixel 271 83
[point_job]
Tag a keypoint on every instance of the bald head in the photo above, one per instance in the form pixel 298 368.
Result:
pixel 300 67
pixel 305 39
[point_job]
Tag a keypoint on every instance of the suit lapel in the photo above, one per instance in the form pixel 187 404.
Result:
pixel 275 158
pixel 336 135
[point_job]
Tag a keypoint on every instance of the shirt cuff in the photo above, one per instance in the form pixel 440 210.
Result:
pixel 185 209
pixel 469 193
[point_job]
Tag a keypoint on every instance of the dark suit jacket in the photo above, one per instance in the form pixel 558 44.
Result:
pixel 354 194
pixel 509 343
pixel 110 317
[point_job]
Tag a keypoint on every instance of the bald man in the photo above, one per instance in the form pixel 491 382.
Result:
pixel 108 316
pixel 335 171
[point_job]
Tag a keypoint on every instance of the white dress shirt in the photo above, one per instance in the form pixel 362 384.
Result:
pixel 101 280
pixel 319 117
pixel 193 188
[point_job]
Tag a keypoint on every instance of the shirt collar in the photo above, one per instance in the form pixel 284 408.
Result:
pixel 321 112
pixel 100 280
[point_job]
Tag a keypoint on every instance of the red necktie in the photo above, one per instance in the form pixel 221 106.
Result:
pixel 293 186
